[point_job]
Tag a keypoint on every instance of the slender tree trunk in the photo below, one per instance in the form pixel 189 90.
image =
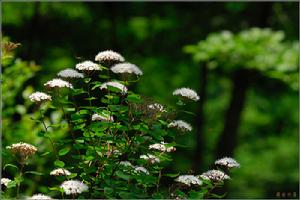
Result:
pixel 200 120
pixel 228 137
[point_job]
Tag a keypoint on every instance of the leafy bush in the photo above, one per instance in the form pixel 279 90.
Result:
pixel 118 143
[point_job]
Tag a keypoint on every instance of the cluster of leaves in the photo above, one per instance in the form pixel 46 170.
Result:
pixel 263 50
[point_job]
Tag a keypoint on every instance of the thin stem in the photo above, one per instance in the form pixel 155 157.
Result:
pixel 21 175
pixel 158 182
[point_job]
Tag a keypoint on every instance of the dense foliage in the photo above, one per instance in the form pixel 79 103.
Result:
pixel 152 35
pixel 119 140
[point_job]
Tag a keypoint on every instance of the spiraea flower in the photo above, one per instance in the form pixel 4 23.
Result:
pixel 60 172
pixel 126 68
pixel 186 93
pixel 70 73
pixel 88 66
pixel 126 164
pixel 39 97
pixel 162 147
pixel 188 180
pixel 109 56
pixel 151 158
pixel 138 169
pixel 5 181
pixel 227 162
pixel 38 197
pixel 58 83
pixel 114 84
pixel 181 125
pixel 214 175
pixel 22 149
pixel 73 187
pixel 157 107
pixel 102 117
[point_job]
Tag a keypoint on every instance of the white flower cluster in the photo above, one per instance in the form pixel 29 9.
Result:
pixel 126 164
pixel 109 56
pixel 70 73
pixel 129 68
pixel 102 117
pixel 23 149
pixel 88 66
pixel 60 172
pixel 181 125
pixel 227 162
pixel 57 82
pixel 5 181
pixel 38 197
pixel 114 84
pixel 73 187
pixel 214 175
pixel 39 96
pixel 151 158
pixel 156 106
pixel 189 180
pixel 139 169
pixel 187 93
pixel 162 147
pixel 136 169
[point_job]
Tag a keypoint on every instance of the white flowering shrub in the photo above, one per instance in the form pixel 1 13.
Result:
pixel 118 142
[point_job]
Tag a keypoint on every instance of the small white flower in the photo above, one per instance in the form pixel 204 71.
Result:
pixel 126 164
pixel 161 147
pixel 109 56
pixel 214 175
pixel 114 84
pixel 73 187
pixel 138 169
pixel 60 172
pixel 187 93
pixel 228 162
pixel 57 82
pixel 180 124
pixel 129 68
pixel 70 73
pixel 39 96
pixel 151 158
pixel 102 117
pixel 38 197
pixel 88 66
pixel 5 181
pixel 189 180
pixel 23 149
pixel 157 107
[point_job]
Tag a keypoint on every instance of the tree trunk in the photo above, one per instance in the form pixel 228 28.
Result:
pixel 228 137
pixel 200 120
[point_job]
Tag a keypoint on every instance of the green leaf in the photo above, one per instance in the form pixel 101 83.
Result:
pixel 46 153
pixel 64 151
pixel 171 175
pixel 11 184
pixel 10 165
pixel 59 163
pixel 122 175
pixel 34 172
pixel 134 98
pixel 73 175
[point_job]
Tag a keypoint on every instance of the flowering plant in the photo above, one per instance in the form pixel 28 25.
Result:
pixel 120 141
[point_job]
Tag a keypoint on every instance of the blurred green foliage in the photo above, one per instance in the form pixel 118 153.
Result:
pixel 59 35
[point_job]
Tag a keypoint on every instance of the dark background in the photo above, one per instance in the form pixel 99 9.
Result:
pixel 152 35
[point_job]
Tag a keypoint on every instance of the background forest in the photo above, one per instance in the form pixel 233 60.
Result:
pixel 245 111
